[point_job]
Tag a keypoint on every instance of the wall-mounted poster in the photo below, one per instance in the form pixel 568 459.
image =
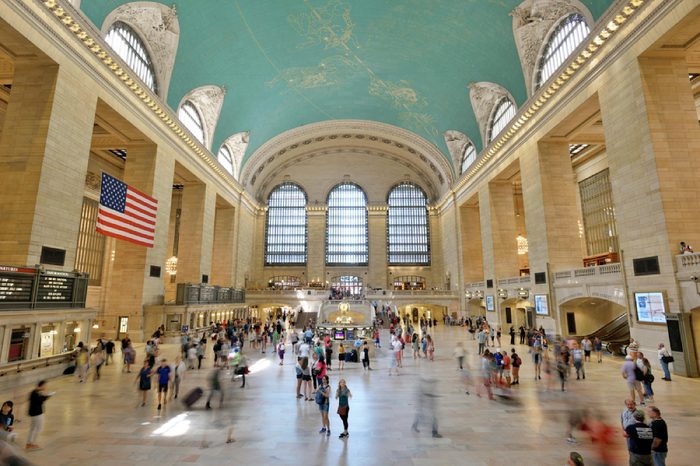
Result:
pixel 489 303
pixel 541 305
pixel 651 307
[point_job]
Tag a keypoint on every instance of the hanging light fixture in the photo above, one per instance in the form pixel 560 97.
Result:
pixel 522 245
pixel 171 264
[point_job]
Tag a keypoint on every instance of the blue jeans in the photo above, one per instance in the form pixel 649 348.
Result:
pixel 664 366
pixel 659 458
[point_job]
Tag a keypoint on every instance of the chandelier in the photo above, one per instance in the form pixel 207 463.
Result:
pixel 171 266
pixel 522 245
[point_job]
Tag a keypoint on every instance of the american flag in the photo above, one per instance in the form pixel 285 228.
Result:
pixel 126 213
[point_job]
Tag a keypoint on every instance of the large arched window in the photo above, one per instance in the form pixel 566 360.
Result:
pixel 568 35
pixel 468 156
pixel 189 116
pixel 130 48
pixel 408 238
pixel 225 158
pixel 285 235
pixel 346 226
pixel 504 111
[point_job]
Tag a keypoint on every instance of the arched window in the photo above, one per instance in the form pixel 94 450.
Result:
pixel 189 116
pixel 503 113
pixel 225 158
pixel 408 236
pixel 285 235
pixel 130 48
pixel 568 35
pixel 346 226
pixel 468 156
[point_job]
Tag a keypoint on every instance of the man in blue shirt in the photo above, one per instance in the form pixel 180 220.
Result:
pixel 163 380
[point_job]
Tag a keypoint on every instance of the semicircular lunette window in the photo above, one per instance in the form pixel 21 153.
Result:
pixel 225 158
pixel 130 48
pixel 468 157
pixel 189 116
pixel 346 226
pixel 286 232
pixel 565 38
pixel 408 237
pixel 505 111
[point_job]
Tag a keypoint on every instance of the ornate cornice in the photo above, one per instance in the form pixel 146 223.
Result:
pixel 608 27
pixel 84 32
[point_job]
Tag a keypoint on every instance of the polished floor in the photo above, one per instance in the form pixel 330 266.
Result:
pixel 102 423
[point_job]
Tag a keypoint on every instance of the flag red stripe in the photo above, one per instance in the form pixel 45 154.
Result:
pixel 138 209
pixel 125 229
pixel 125 238
pixel 140 193
pixel 107 214
pixel 140 202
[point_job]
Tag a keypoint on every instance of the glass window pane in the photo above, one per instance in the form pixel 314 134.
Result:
pixel 598 211
pixel 408 238
pixel 189 116
pixel 225 158
pixel 468 157
pixel 346 226
pixel 127 44
pixel 567 36
pixel 505 111
pixel 285 238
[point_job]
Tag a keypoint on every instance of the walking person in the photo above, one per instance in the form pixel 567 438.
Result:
pixel 522 335
pixel 144 380
pixel 343 395
pixel 201 349
pixel 426 409
pixel 36 414
pixel 81 361
pixel 341 356
pixel 511 332
pixel 665 359
pixel 659 430
pixel 306 378
pixel 129 354
pixel 97 359
pixel 587 346
pixel 598 348
pixel 647 381
pixel 280 351
pixel 365 356
pixel 324 402
pixel 431 347
pixel 459 355
pixel 215 386
pixel 516 362
pixel 481 337
pixel 396 350
pixel 578 357
pixel 109 350
pixel 178 371
pixel 163 381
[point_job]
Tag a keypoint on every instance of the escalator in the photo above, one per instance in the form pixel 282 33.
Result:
pixel 615 335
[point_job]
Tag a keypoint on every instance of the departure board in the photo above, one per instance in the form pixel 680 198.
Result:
pixel 55 287
pixel 16 284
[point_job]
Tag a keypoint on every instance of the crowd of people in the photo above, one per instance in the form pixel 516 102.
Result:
pixel 496 377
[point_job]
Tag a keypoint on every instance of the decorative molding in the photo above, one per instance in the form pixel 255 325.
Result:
pixel 608 27
pixel 348 134
pixel 159 28
pixel 456 143
pixel 92 181
pixel 484 96
pixel 237 144
pixel 208 100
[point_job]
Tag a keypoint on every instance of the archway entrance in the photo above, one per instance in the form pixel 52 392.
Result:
pixel 514 312
pixel 595 316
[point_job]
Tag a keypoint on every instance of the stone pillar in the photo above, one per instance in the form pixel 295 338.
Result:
pixel 44 151
pixel 196 232
pixel 316 255
pixel 470 237
pixel 551 207
pixel 151 171
pixel 497 218
pixel 377 225
pixel 224 247
pixel 652 139
pixel 34 341
pixel 5 345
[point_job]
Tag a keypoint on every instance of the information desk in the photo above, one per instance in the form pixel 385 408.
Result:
pixel 346 333
pixel 36 288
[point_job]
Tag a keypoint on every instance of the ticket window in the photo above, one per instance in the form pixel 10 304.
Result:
pixel 19 345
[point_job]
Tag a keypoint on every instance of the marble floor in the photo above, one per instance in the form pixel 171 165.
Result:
pixel 102 422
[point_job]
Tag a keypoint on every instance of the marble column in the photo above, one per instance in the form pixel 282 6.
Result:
pixel 224 246
pixel 196 232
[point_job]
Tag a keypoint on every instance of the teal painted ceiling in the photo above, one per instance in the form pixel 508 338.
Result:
pixel 287 63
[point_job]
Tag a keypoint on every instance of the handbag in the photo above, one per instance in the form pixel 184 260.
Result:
pixel 667 359
pixel 343 410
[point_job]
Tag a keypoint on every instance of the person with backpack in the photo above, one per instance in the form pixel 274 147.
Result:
pixel 516 362
pixel 323 401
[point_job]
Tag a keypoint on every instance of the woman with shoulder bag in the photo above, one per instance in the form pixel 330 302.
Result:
pixel 343 395
pixel 648 380
pixel 665 359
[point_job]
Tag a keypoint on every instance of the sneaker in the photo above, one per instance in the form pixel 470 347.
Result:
pixel 328 433
pixel 571 440
pixel 323 429
pixel 436 435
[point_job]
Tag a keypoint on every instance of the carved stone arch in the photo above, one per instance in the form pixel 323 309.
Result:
pixel 533 23
pixel 208 101
pixel 159 29
pixel 457 142
pixel 484 96
pixel 237 144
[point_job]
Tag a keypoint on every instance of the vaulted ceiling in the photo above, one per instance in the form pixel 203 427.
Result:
pixel 288 63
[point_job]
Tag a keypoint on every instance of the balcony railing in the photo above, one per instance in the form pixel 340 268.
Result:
pixel 517 281
pixel 688 263
pixel 475 285
pixel 599 272
pixel 22 366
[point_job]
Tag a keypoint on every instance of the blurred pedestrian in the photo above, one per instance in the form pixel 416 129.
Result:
pixel 36 414
pixel 426 409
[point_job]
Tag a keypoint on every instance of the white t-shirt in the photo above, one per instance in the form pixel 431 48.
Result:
pixel 304 350
pixel 396 345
